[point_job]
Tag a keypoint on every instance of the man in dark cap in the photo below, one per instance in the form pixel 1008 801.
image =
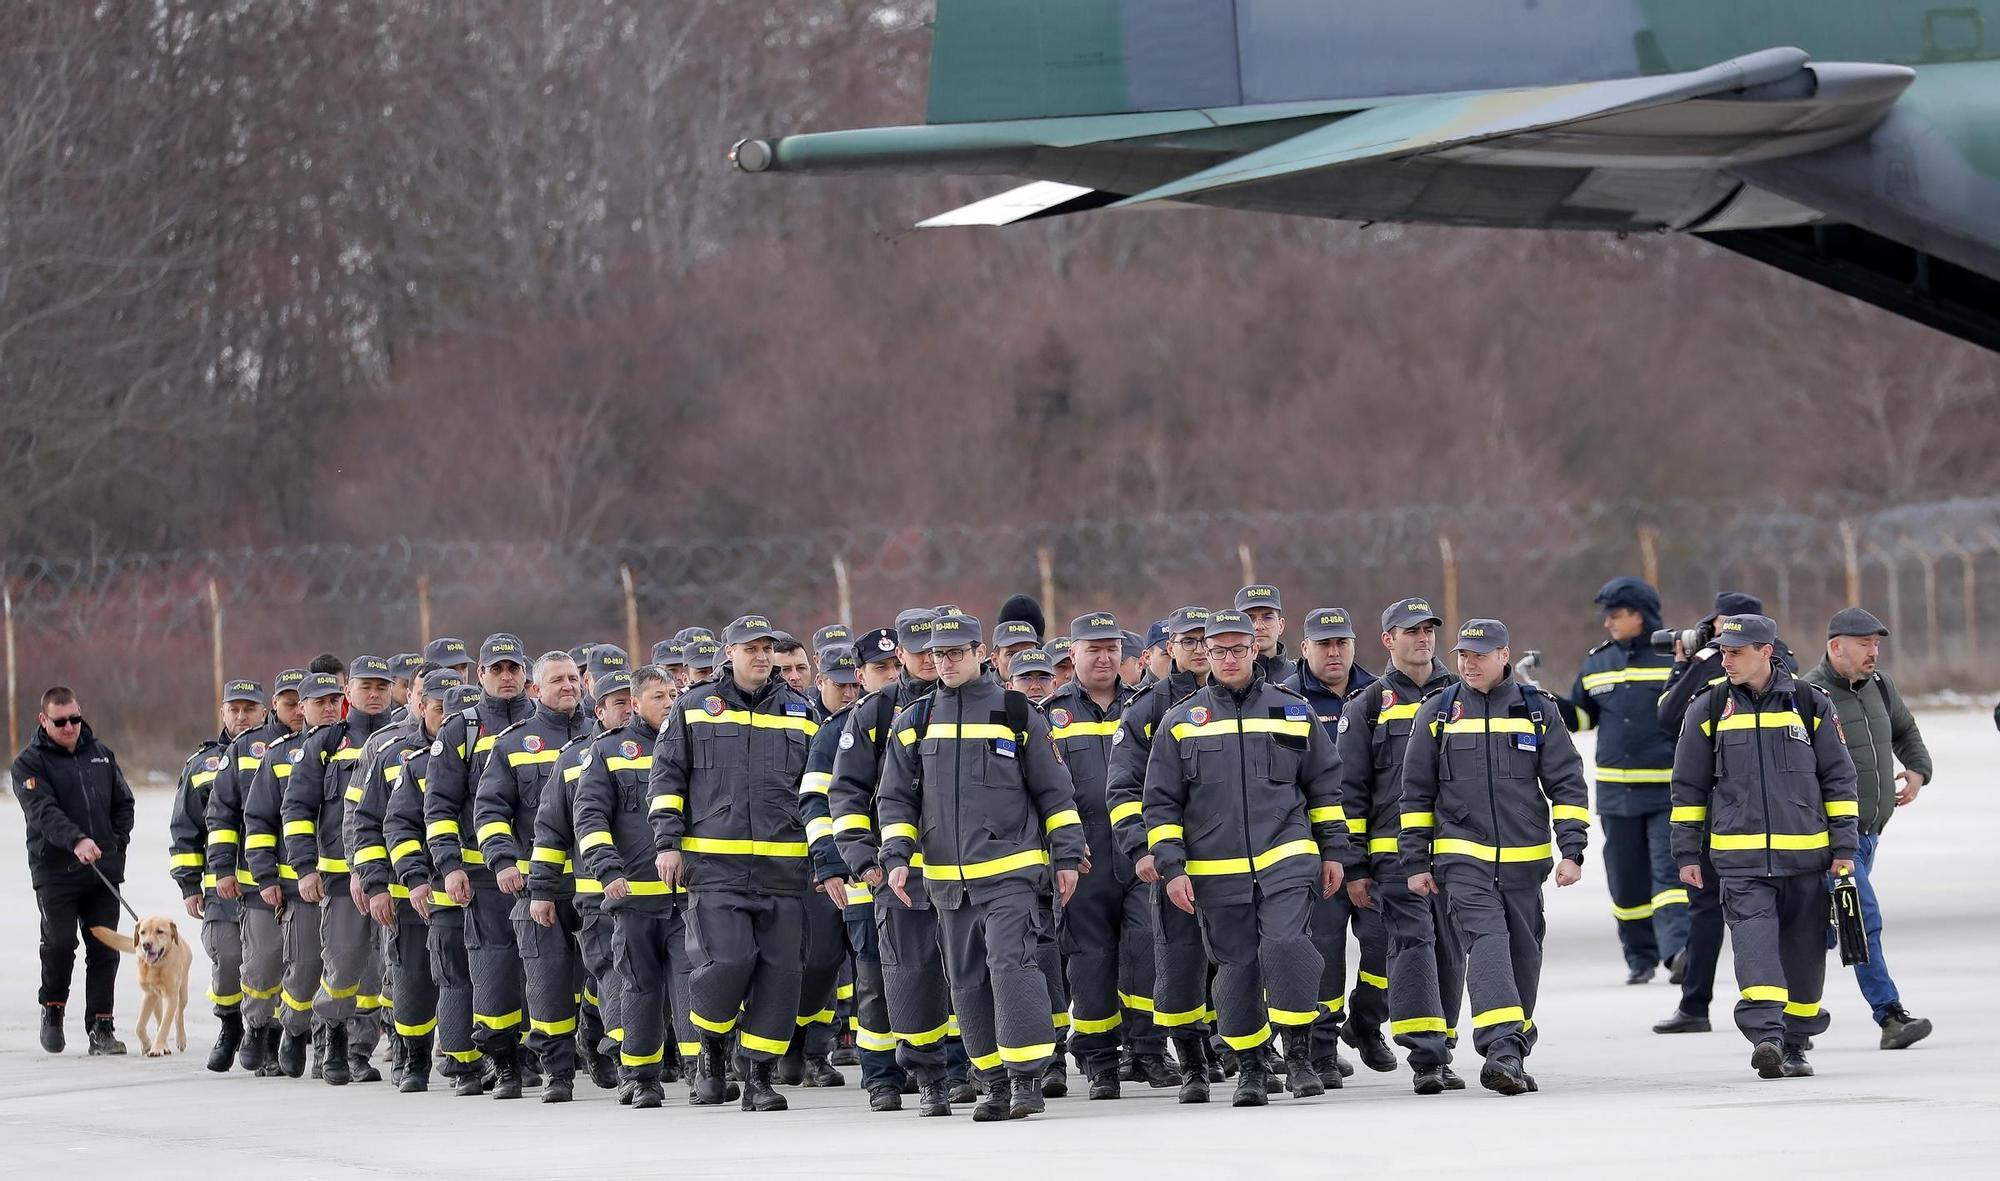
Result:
pixel 450 652
pixel 1880 732
pixel 1261 602
pixel 1010 639
pixel 1617 693
pixel 406 666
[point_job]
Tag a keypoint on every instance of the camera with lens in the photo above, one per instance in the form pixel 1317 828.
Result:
pixel 1692 639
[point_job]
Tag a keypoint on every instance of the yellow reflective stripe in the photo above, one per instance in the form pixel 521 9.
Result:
pixel 572 774
pixel 1175 1020
pixel 743 717
pixel 859 892
pixel 1418 820
pixel 532 758
pixel 208 881
pixel 629 1059
pixel 1772 720
pixel 1128 810
pixel 1689 814
pixel 817 827
pixel 1506 854
pixel 986 1061
pixel 868 1039
pixel 1674 897
pixel 927 1038
pixel 282 770
pixel 553 1028
pixel 967 731
pixel 1569 812
pixel 1842 808
pixel 1335 1005
pixel 1062 819
pixel 1634 775
pixel 1766 992
pixel 1248 1042
pixel 1632 914
pixel 823 1017
pixel 416 1030
pixel 339 994
pixel 549 856
pixel 485 743
pixel 405 848
pixel 1297 729
pixel 1097 1024
pixel 354 794
pixel 300 828
pixel 1416 1025
pixel 1164 832
pixel 225 836
pixel 262 840
pixel 1370 978
pixel 288 873
pixel 396 891
pixel 1262 861
pixel 392 774
pixel 1382 845
pixel 333 865
pixel 815 783
pixel 465 1056
pixel 1736 842
pixel 906 737
pixel 497 1021
pixel 666 803
pixel 1801 1008
pixel 751 1041
pixel 1397 713
pixel 1142 1004
pixel 1320 815
pixel 1085 729
pixel 859 822
pixel 889 831
pixel 438 828
pixel 1019 1054
pixel 186 861
pixel 986 869
pixel 472 857
pixel 494 828
pixel 1292 1016
pixel 650 889
pixel 585 885
pixel 295 1004
pixel 1490 726
pixel 1061 1020
pixel 216 998
pixel 702 1022
pixel 1501 1016
pixel 346 754
pixel 592 840
pixel 245 878
pixel 620 763
pixel 245 763
pixel 1358 825
pixel 1620 676
pixel 739 848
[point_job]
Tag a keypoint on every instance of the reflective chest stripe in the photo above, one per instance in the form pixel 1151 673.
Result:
pixel 756 721
pixel 1659 675
pixel 1296 727
pixel 1084 730
pixel 1398 713
pixel 532 758
pixel 1485 726
pixel 1782 719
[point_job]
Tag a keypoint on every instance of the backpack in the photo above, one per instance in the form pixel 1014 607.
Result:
pixel 1017 705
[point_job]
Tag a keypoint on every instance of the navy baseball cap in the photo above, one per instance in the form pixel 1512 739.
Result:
pixel 440 682
pixel 667 653
pixel 745 628
pixel 406 664
pixel 319 685
pixel 1742 631
pixel 1329 623
pixel 840 667
pixel 605 658
pixel 1853 621
pixel 703 655
pixel 1097 625
pixel 1057 648
pixel 249 691
pixel 1259 594
pixel 1156 635
pixel 833 635
pixel 288 681
pixel 1229 623
pixel 693 633
pixel 878 645
pixel 502 649
pixel 370 668
pixel 1736 603
pixel 1481 635
pixel 447 650
pixel 615 681
pixel 461 698
pixel 1015 631
pixel 1133 647
pixel 952 631
pixel 1406 613
pixel 1187 619
pixel 912 625
pixel 1030 661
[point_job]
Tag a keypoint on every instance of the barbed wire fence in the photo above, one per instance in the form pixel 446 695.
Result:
pixel 145 637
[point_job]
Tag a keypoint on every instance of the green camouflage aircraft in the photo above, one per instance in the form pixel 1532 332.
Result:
pixel 1855 143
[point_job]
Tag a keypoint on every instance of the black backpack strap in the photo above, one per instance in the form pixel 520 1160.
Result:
pixel 1018 708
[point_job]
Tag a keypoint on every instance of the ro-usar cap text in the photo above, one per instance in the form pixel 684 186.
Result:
pixel 501 650
pixel 952 631
pixel 745 628
pixel 1097 625
pixel 1742 631
pixel 446 650
pixel 1259 594
pixel 249 691
pixel 1407 613
pixel 1015 631
pixel 319 685
pixel 1481 635
pixel 1229 623
pixel 370 668
pixel 1028 661
pixel 1329 623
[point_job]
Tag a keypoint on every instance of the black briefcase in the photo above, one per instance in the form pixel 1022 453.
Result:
pixel 1847 921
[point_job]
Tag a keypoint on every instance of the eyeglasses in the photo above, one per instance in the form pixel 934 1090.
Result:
pixel 951 655
pixel 1229 652
pixel 1188 641
pixel 72 720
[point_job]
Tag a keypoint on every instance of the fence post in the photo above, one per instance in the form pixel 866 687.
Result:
pixel 423 610
pixel 1852 552
pixel 1649 554
pixel 1046 559
pixel 13 707
pixel 845 608
pixel 1970 574
pixel 1248 563
pixel 1929 564
pixel 631 610
pixel 1450 581
pixel 1895 578
pixel 215 631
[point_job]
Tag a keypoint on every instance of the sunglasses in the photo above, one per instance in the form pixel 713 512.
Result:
pixel 72 720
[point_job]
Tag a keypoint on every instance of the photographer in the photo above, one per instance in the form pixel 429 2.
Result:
pixel 1693 673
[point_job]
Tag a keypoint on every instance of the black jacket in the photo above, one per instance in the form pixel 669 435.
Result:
pixel 67 796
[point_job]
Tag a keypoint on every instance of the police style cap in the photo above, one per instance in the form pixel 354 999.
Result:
pixel 1097 625
pixel 319 685
pixel 702 655
pixel 1031 660
pixel 1156 635
pixel 1853 621
pixel 693 633
pixel 667 653
pixel 1229 623
pixel 370 668
pixel 1187 619
pixel 461 698
pixel 499 649
pixel 952 631
pixel 447 650
pixel 615 681
pixel 833 635
pixel 912 625
pixel 1133 647
pixel 1736 603
pixel 841 668
pixel 606 658
pixel 1481 635
pixel 249 691
pixel 1406 613
pixel 288 681
pixel 580 653
pixel 1058 648
pixel 1015 631
pixel 1259 594
pixel 878 645
pixel 1742 631
pixel 745 628
pixel 406 664
pixel 439 683
pixel 1329 623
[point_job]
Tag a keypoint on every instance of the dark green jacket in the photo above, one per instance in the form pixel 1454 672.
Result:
pixel 1875 723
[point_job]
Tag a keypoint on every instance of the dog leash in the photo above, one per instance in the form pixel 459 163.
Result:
pixel 114 891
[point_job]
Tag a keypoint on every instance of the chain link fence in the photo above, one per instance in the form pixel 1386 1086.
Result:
pixel 138 634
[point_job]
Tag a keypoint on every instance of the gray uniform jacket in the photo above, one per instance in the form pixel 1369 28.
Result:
pixel 516 774
pixel 1375 725
pixel 1084 733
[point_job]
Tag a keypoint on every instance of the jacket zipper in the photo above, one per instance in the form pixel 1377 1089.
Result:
pixel 1243 792
pixel 1763 789
pixel 957 785
pixel 1492 789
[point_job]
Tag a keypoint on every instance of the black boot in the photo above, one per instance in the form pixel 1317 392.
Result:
pixel 102 1042
pixel 933 1098
pixel 820 1072
pixel 52 1030
pixel 1900 1031
pixel 507 1072
pixel 1128 1068
pixel 758 1093
pixel 318 1051
pixel 1368 1042
pixel 1030 1094
pixel 791 1070
pixel 647 1094
pixel 1300 1077
pixel 1428 1080
pixel 1328 1070
pixel 1451 1080
pixel 272 1041
pixel 1683 1021
pixel 1104 1084
pixel 960 1090
pixel 254 1053
pixel 560 1088
pixel 887 1098
pixel 416 1065
pixel 399 1056
pixel 292 1050
pixel 996 1104
pixel 1156 1072
pixel 1193 1055
pixel 1055 1080
pixel 1768 1058
pixel 361 1070
pixel 228 1040
pixel 1503 1074
pixel 711 1072
pixel 1794 1064
pixel 333 1046
pixel 472 1078
pixel 531 1066
pixel 1252 1081
pixel 1274 1064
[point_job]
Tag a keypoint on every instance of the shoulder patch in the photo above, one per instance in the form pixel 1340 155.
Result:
pixel 1118 736
pixel 28 784
pixel 1059 718
pixel 1729 705
pixel 847 740
pixel 532 743
pixel 213 763
pixel 583 758
pixel 795 709
pixel 1342 727
pixel 1296 711
pixel 1457 708
pixel 437 748
pixel 1198 715
pixel 629 749
pixel 298 754
pixel 1600 647
pixel 712 705
pixel 1388 698
pixel 258 749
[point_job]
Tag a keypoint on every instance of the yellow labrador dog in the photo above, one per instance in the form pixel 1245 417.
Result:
pixel 164 961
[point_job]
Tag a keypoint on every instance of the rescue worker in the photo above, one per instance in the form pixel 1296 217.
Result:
pixel 1426 968
pixel 1159 654
pixel 1031 674
pixel 1009 640
pixel 1058 650
pixel 1768 789
pixel 1179 1003
pixel 615 845
pixel 337 924
pixel 703 657
pixel 277 877
pixel 725 814
pixel 1107 927
pixel 1489 767
pixel 243 710
pixel 1261 602
pixel 509 793
pixel 877 666
pixel 1326 674
pixel 1617 691
pixel 365 831
pixel 554 884
pixel 973 785
pixel 262 948
pixel 912 958
pixel 809 1059
pixel 790 664
pixel 458 760
pixel 407 667
pixel 450 652
pixel 834 637
pixel 1243 793
pixel 403 828
pixel 836 685
pixel 1132 658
